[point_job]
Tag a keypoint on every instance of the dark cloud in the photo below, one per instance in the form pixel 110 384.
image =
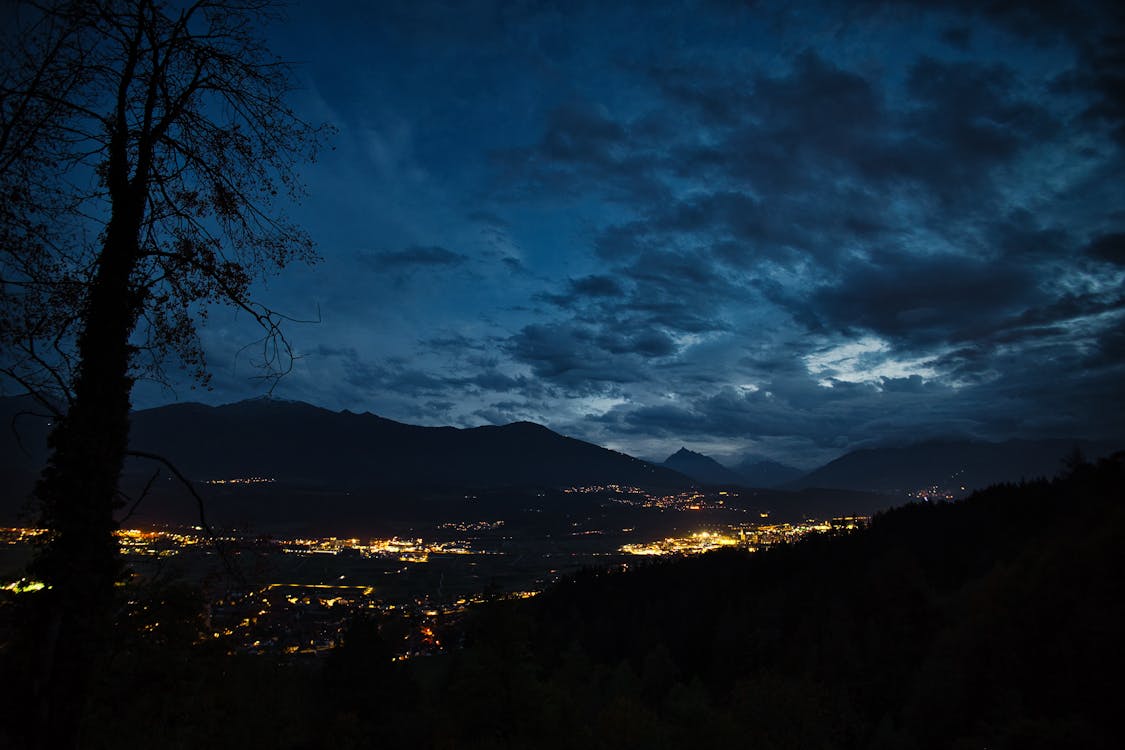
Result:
pixel 650 343
pixel 1042 22
pixel 1109 349
pixel 514 265
pixel 456 344
pixel 925 300
pixel 1105 79
pixel 1068 307
pixel 958 37
pixel 622 240
pixel 1109 248
pixel 582 294
pixel 487 217
pixel 494 380
pixel 1020 239
pixel 577 358
pixel 968 119
pixel 909 384
pixel 415 257
pixel 596 286
pixel 407 387
pixel 691 84
pixel 582 133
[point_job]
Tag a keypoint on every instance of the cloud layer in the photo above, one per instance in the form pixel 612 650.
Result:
pixel 739 227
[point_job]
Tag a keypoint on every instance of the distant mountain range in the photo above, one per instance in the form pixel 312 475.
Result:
pixel 759 472
pixel 298 443
pixel 750 472
pixel 702 468
pixel 310 449
pixel 956 465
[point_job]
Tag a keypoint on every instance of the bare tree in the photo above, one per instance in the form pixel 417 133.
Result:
pixel 144 147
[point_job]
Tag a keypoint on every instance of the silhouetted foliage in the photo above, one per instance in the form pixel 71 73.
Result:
pixel 143 145
pixel 986 622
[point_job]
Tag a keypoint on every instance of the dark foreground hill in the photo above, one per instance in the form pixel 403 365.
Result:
pixel 990 622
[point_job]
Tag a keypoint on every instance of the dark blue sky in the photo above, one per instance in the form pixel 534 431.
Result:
pixel 785 229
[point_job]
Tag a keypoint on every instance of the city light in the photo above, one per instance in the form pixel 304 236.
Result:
pixel 241 480
pixel 306 618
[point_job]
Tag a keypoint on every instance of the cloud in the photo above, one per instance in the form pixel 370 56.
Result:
pixel 578 359
pixel 967 119
pixel 583 133
pixel 596 286
pixel 690 84
pixel 1108 247
pixel 958 37
pixel 651 343
pixel 488 218
pixel 925 299
pixel 415 257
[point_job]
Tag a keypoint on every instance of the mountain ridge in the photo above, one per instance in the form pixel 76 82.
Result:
pixel 300 442
pixel 953 464
pixel 311 446
pixel 760 472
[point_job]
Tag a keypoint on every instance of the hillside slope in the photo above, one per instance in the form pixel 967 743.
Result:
pixel 991 622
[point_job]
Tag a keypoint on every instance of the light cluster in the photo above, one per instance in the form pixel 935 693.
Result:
pixel 747 536
pixel 700 541
pixel 242 480
pixel 405 550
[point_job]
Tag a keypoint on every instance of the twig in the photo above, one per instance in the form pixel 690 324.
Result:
pixel 137 502
pixel 228 563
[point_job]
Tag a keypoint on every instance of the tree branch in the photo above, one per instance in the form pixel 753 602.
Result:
pixel 140 497
pixel 228 562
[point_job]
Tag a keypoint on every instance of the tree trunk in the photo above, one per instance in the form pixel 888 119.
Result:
pixel 78 491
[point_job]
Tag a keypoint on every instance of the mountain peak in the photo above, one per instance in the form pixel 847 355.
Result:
pixel 683 452
pixel 701 468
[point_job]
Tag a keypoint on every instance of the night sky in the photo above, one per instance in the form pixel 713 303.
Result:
pixel 780 229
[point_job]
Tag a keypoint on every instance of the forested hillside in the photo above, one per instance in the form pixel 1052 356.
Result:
pixel 991 622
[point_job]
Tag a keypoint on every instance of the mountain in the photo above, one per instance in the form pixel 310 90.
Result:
pixel 758 472
pixel 750 472
pixel 701 468
pixel 295 442
pixel 314 452
pixel 958 466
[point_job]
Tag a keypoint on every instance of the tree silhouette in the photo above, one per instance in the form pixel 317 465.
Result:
pixel 144 146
